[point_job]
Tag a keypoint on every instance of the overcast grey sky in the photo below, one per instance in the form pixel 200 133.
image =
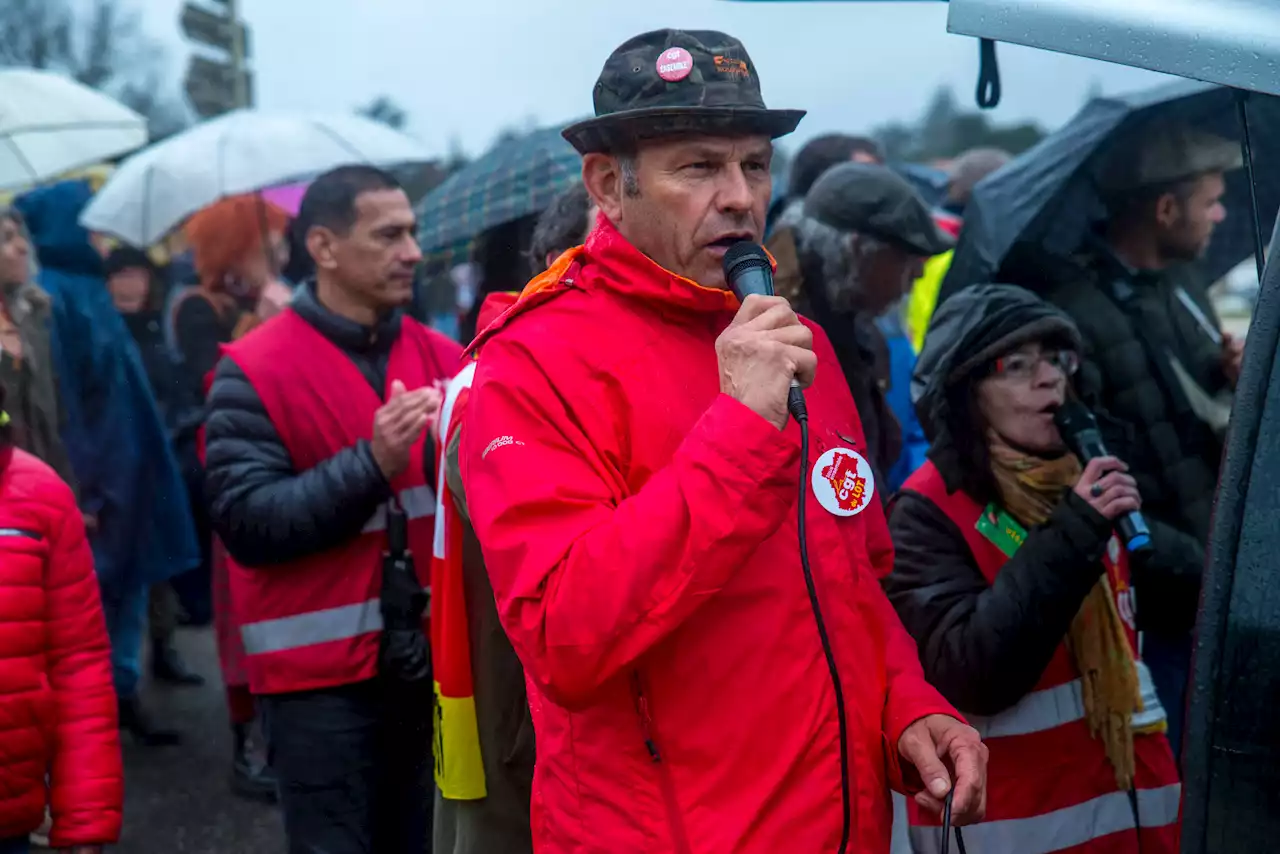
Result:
pixel 465 68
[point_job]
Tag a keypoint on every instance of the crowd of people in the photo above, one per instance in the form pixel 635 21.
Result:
pixel 602 577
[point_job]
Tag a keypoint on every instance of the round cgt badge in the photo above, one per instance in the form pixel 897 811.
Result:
pixel 675 64
pixel 843 482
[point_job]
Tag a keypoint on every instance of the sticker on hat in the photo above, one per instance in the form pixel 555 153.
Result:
pixel 843 482
pixel 675 64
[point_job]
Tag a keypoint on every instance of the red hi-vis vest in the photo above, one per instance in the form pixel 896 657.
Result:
pixel 459 765
pixel 317 622
pixel 1050 787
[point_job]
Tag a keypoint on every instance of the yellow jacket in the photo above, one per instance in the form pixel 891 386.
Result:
pixel 924 297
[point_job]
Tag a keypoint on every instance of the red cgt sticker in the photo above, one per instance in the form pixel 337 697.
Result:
pixel 843 482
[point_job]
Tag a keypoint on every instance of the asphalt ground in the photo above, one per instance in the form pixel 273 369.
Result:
pixel 178 800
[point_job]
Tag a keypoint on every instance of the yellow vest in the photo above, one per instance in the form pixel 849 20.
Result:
pixel 924 297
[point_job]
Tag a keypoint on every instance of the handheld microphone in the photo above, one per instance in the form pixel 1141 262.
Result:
pixel 748 271
pixel 1079 430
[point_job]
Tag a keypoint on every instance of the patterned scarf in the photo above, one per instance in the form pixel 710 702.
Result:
pixel 1030 489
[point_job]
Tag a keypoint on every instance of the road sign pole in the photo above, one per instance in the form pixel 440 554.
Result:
pixel 237 54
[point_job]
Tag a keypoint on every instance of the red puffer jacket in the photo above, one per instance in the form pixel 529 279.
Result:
pixel 57 704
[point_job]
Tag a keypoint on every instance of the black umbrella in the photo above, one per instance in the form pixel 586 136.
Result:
pixel 1048 197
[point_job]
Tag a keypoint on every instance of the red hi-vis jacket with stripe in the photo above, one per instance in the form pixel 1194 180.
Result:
pixel 459 766
pixel 317 622
pixel 459 761
pixel 1050 785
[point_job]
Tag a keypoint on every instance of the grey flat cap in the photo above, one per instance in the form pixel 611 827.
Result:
pixel 1165 154
pixel 876 200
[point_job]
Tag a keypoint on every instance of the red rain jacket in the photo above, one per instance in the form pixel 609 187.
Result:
pixel 57 703
pixel 640 531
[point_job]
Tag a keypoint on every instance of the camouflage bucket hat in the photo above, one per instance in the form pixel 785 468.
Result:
pixel 670 82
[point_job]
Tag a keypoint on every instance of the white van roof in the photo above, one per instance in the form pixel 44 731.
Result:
pixel 1230 42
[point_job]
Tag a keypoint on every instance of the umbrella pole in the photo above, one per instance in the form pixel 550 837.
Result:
pixel 1246 150
pixel 266 233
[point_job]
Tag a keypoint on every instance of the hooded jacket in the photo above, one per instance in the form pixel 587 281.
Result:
pixel 112 429
pixel 990 630
pixel 969 333
pixel 975 643
pixel 58 732
pixel 640 531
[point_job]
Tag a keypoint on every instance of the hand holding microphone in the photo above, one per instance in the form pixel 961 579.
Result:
pixel 765 343
pixel 1107 487
pixel 761 352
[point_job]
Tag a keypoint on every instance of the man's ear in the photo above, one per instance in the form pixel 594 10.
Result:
pixel 602 176
pixel 1168 210
pixel 320 247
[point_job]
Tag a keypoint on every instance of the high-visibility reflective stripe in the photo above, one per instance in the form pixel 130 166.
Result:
pixel 1036 712
pixel 1152 713
pixel 1064 828
pixel 313 627
pixel 417 502
pixel 455 387
pixel 345 621
pixel 1044 710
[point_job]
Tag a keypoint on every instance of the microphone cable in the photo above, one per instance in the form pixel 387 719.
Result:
pixel 796 405
pixel 946 825
pixel 799 411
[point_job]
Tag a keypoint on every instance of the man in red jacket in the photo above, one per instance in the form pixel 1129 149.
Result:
pixel 632 476
pixel 319 476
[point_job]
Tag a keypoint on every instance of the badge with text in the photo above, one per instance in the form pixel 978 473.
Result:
pixel 1002 529
pixel 843 482
pixel 675 64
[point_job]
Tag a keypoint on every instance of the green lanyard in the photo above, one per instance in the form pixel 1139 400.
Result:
pixel 1002 529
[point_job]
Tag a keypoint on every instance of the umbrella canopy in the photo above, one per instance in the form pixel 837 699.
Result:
pixel 50 125
pixel 287 197
pixel 1047 197
pixel 242 152
pixel 516 178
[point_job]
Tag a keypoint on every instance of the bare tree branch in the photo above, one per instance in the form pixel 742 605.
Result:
pixel 103 46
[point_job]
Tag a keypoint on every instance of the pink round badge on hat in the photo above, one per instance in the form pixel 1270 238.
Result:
pixel 675 64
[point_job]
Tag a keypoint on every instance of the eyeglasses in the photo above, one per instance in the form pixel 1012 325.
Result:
pixel 1024 366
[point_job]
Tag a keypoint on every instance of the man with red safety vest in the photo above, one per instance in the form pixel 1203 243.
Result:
pixel 320 474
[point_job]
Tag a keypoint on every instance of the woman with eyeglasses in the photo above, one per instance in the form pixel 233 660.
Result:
pixel 1019 596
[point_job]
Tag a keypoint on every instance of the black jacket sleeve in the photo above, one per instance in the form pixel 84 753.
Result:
pixel 1166 582
pixel 264 510
pixel 984 646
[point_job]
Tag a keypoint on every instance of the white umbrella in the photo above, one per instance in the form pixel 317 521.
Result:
pixel 153 191
pixel 50 124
